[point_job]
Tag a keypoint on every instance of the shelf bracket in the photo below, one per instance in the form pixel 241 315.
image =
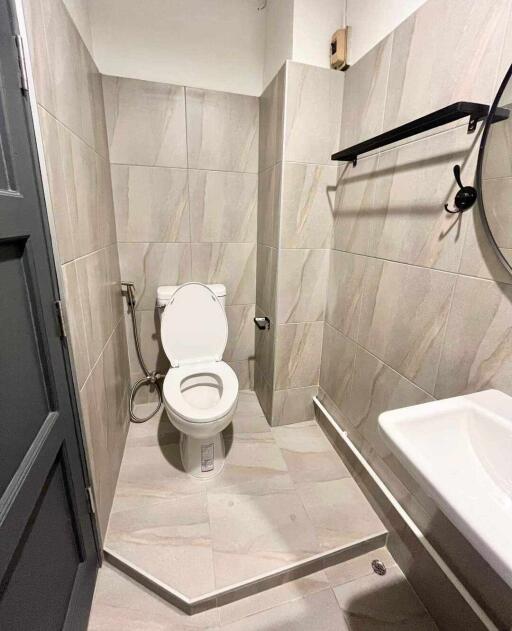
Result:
pixel 473 120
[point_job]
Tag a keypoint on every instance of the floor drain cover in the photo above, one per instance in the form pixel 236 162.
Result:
pixel 378 567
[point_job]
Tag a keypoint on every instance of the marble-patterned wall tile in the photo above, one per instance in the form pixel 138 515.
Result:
pixel 444 73
pixel 301 285
pixel 54 159
pixel 271 116
pixel 297 354
pixel 85 70
pixel 75 147
pixel 64 65
pixel 233 264
pixel 240 344
pixel 93 404
pixel 497 194
pixel 412 185
pixel 478 255
pixel 337 366
pixel 293 405
pixel 148 328
pixel 477 351
pixel 244 371
pixel 94 93
pixel 151 203
pixel 79 172
pixel 264 392
pixel 222 131
pixel 264 350
pixel 266 280
pixel 354 212
pixel 376 388
pixel 364 95
pixel 145 122
pixel 83 197
pixel 269 209
pixel 104 203
pixel 149 265
pixel 95 296
pixel 498 162
pixel 506 57
pixel 307 207
pixel 75 319
pixel 408 333
pixel 38 51
pixel 223 206
pixel 116 379
pixel 314 99
pixel 345 292
pixel 117 300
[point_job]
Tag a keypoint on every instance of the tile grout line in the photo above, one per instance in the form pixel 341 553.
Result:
pixel 432 269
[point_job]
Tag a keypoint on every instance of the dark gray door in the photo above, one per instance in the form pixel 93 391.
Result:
pixel 48 556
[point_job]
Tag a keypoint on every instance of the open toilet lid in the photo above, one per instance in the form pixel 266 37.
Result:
pixel 194 326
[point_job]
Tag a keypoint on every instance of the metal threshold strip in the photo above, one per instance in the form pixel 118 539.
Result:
pixel 252 586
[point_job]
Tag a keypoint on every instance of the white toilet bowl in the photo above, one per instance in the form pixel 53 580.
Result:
pixel 200 391
pixel 200 400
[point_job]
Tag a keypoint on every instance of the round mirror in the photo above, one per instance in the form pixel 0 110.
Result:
pixel 495 172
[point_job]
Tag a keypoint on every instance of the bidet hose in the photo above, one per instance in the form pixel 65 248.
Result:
pixel 149 377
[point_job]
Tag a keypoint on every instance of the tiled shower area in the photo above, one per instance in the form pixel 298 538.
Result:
pixel 282 538
pixel 283 498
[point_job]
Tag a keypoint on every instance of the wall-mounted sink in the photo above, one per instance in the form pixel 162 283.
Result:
pixel 460 451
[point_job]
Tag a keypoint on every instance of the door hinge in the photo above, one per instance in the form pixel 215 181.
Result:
pixel 22 61
pixel 90 500
pixel 60 319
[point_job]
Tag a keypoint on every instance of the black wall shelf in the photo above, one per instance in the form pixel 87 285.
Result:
pixel 475 111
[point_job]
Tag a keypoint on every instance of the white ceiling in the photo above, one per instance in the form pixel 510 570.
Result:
pixel 215 44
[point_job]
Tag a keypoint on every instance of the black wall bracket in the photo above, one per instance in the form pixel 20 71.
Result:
pixel 475 111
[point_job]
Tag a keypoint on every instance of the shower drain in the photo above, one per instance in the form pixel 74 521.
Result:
pixel 378 567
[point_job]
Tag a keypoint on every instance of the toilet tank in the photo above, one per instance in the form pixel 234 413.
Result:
pixel 165 292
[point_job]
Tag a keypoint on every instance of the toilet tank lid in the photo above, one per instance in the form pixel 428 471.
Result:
pixel 165 292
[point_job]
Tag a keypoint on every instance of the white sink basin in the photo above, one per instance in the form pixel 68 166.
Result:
pixel 460 451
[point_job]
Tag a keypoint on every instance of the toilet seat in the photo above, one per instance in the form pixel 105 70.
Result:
pixel 174 398
pixel 194 326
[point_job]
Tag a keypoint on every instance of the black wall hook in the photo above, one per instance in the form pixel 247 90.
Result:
pixel 466 195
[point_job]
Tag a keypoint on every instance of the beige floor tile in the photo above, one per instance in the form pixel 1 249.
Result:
pixel 358 567
pixel 382 603
pixel 157 430
pixel 339 511
pixel 316 612
pixel 257 533
pixel 283 496
pixel 274 597
pixel 252 460
pixel 151 474
pixel 121 604
pixel 308 454
pixel 169 540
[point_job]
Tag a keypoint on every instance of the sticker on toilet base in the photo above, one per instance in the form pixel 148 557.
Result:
pixel 207 460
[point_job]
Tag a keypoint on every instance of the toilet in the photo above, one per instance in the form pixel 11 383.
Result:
pixel 200 391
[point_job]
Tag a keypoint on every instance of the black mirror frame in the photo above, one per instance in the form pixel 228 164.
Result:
pixel 479 168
